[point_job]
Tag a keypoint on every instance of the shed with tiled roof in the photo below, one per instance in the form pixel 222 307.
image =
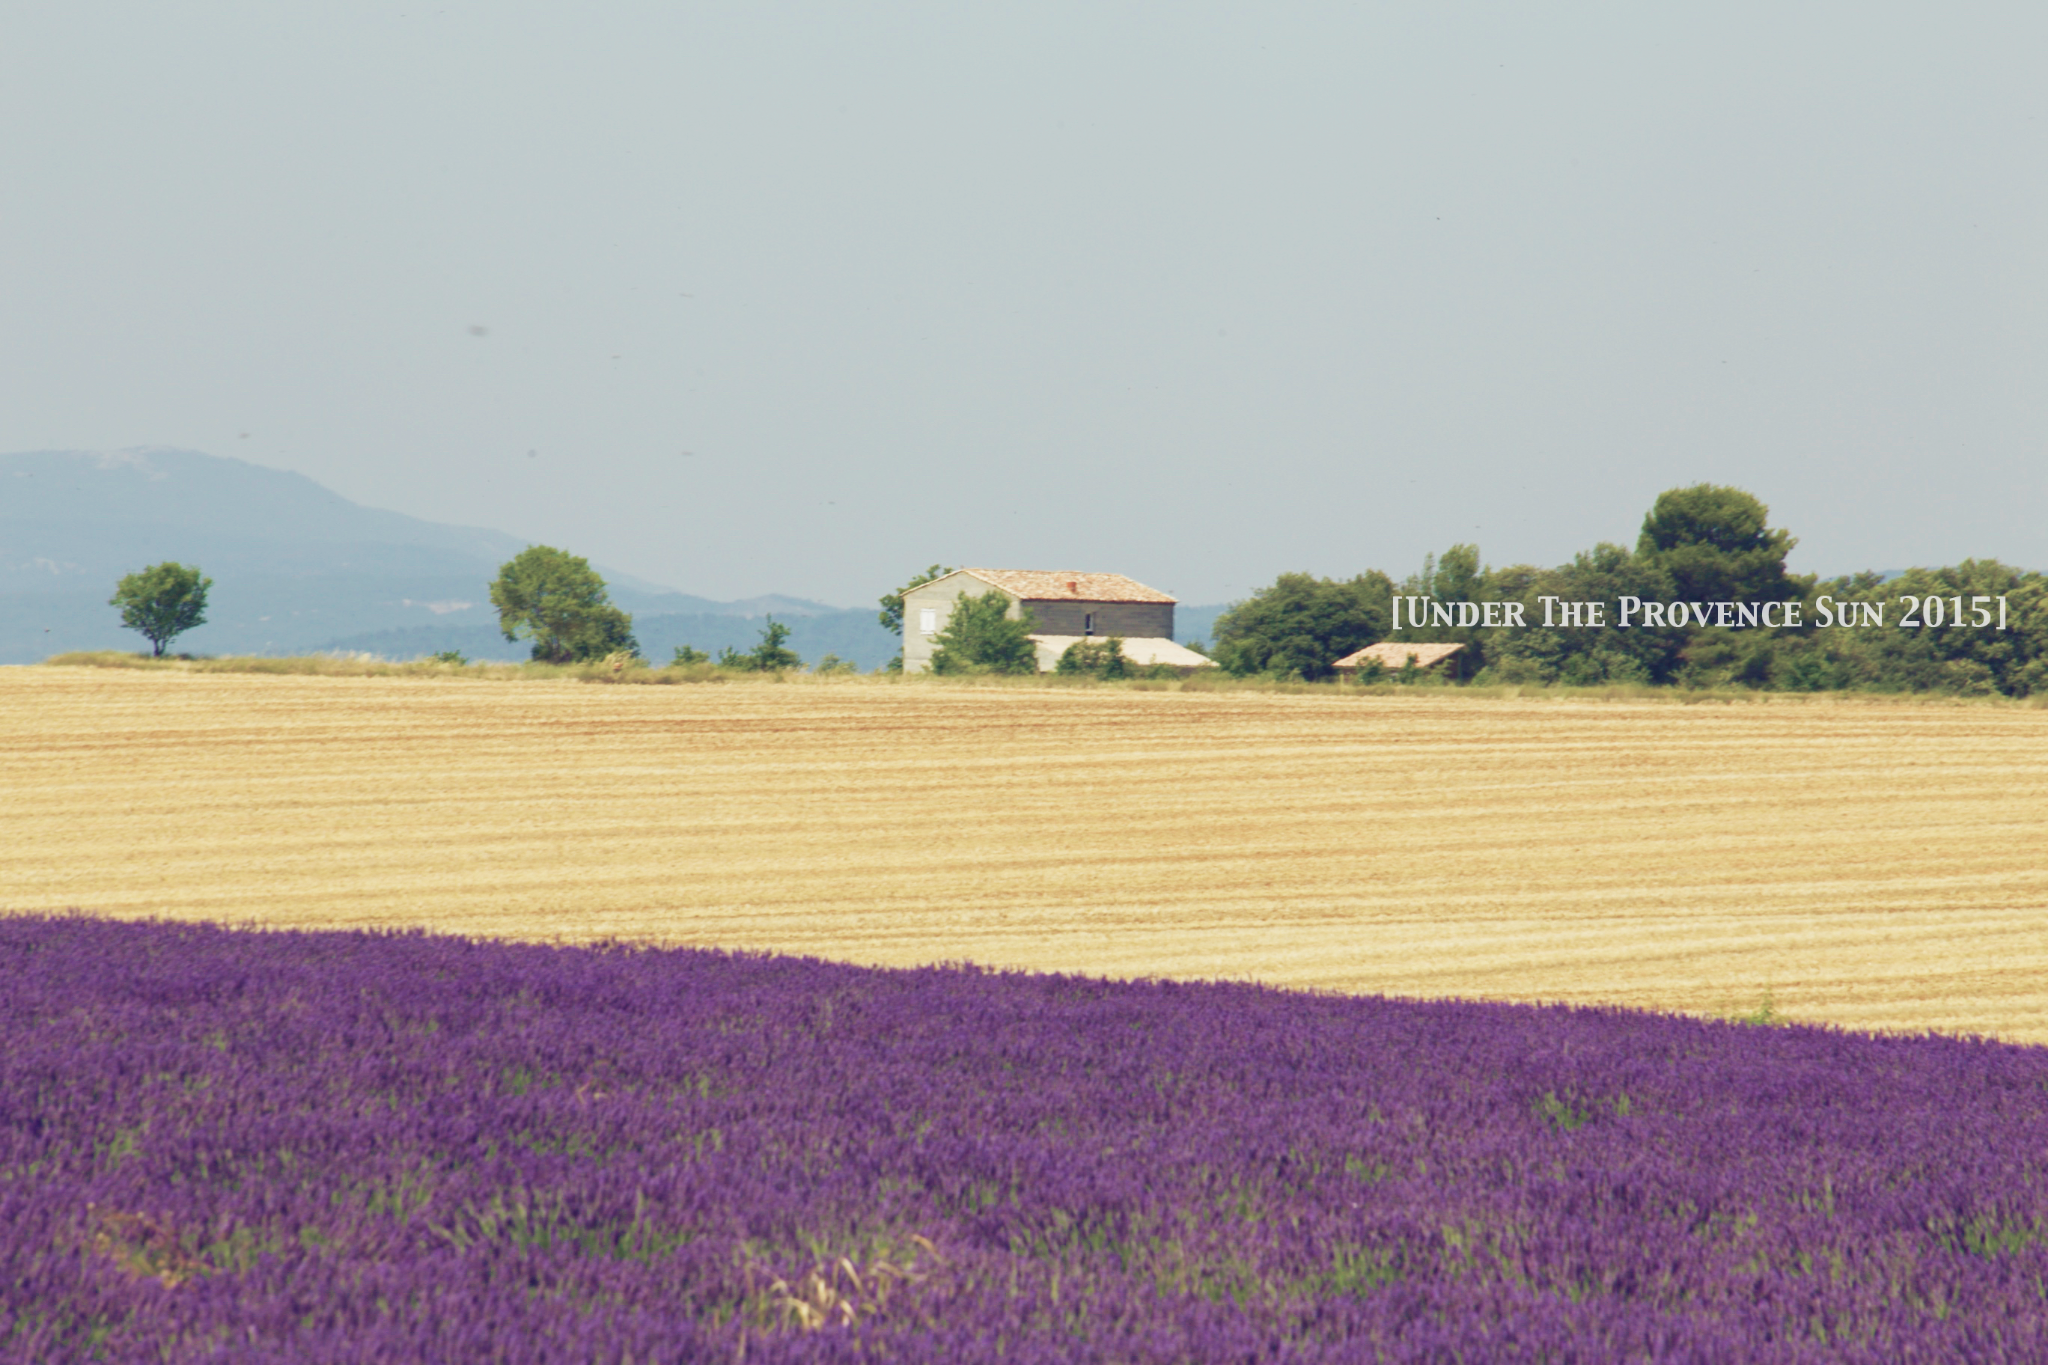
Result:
pixel 1393 655
pixel 1065 602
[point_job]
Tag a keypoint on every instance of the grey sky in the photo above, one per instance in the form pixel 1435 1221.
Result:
pixel 1197 294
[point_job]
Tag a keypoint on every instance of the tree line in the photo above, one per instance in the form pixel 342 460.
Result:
pixel 1704 544
pixel 559 602
pixel 544 595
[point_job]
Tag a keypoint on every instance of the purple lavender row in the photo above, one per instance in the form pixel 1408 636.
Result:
pixel 230 1146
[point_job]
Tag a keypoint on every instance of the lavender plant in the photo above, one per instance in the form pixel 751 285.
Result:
pixel 229 1146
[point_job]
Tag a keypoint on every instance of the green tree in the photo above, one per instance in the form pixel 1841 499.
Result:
pixel 1582 654
pixel 1299 625
pixel 982 637
pixel 163 602
pixel 559 601
pixel 768 656
pixel 1704 543
pixel 1955 656
pixel 686 655
pixel 1456 578
pixel 1714 545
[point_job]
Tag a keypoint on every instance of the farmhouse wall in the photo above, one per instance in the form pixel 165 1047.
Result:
pixel 1132 620
pixel 937 598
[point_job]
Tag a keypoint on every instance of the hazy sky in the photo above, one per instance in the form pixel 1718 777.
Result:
pixel 798 298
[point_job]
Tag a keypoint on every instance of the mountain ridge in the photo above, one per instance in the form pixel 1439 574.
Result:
pixel 297 567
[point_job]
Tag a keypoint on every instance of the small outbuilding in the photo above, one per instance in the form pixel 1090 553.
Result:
pixel 1393 655
pixel 1068 605
pixel 1143 651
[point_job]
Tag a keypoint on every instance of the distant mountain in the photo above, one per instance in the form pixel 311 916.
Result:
pixel 296 567
pixel 1197 623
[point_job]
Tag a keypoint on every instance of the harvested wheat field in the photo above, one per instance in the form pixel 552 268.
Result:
pixel 1867 863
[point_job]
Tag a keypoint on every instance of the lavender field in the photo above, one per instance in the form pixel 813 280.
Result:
pixel 225 1145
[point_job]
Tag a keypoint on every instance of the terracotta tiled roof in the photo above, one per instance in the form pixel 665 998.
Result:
pixel 1394 655
pixel 1068 585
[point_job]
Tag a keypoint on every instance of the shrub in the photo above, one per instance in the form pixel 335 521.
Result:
pixel 768 656
pixel 1095 658
pixel 982 637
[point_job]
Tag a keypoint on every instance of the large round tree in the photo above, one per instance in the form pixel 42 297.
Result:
pixel 162 601
pixel 559 601
pixel 1716 545
pixel 1298 625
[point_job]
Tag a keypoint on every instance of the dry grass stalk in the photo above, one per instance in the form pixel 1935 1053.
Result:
pixel 839 1294
pixel 141 1246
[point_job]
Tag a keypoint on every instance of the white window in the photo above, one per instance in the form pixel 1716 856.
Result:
pixel 928 620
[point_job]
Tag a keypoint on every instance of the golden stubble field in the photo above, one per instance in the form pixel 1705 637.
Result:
pixel 1866 863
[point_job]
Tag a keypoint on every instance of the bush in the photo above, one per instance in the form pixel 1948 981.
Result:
pixel 982 637
pixel 1096 659
pixel 768 656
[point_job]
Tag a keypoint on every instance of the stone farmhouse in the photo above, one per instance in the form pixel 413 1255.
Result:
pixel 1069 606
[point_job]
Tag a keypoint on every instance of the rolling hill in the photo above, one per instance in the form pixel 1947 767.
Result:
pixel 298 568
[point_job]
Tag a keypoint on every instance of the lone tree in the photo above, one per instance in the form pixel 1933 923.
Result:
pixel 982 637
pixel 163 602
pixel 769 656
pixel 559 601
